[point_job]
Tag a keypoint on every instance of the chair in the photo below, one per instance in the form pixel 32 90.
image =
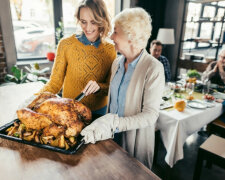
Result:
pixel 217 127
pixel 213 150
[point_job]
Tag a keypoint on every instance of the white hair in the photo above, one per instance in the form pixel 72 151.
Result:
pixel 222 51
pixel 136 24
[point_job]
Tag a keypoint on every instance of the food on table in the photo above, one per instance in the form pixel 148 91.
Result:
pixel 192 73
pixel 192 80
pixel 180 105
pixel 51 120
pixel 209 97
pixel 177 88
pixel 190 97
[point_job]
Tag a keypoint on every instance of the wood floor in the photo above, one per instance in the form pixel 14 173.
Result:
pixel 184 169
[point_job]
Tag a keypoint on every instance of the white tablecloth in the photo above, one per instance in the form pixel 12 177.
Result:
pixel 176 126
pixel 12 96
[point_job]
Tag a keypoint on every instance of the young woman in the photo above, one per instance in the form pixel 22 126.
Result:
pixel 83 61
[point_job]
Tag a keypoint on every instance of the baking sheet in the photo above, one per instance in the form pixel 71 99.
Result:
pixel 72 150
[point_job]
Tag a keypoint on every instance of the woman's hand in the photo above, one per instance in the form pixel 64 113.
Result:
pixel 101 129
pixel 215 68
pixel 91 87
pixel 219 100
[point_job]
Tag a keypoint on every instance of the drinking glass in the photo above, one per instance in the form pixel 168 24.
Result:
pixel 205 88
pixel 190 88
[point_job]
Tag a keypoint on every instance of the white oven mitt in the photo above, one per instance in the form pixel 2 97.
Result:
pixel 101 129
pixel 104 127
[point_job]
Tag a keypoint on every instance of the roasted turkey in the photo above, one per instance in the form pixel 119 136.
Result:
pixel 56 116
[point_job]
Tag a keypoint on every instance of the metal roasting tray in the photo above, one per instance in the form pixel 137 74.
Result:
pixel 72 150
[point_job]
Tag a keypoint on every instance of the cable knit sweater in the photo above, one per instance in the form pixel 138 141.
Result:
pixel 76 64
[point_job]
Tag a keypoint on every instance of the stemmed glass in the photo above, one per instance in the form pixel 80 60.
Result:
pixel 190 88
pixel 169 90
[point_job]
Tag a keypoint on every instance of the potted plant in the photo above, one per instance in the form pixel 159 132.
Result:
pixel 19 76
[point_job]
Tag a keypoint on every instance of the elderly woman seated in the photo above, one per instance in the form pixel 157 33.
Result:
pixel 215 71
pixel 136 86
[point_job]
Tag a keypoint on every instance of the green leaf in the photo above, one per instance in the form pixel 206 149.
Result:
pixel 11 78
pixel 193 73
pixel 24 78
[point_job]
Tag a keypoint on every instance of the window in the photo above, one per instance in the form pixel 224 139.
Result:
pixel 33 27
pixel 35 24
pixel 203 28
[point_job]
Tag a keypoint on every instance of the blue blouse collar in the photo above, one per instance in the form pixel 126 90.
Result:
pixel 133 63
pixel 82 38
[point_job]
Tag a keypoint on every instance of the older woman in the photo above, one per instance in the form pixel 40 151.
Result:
pixel 136 86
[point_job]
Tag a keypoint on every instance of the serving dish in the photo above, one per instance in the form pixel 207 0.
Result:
pixel 71 150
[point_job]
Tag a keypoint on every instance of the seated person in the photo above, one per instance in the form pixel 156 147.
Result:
pixel 215 70
pixel 156 51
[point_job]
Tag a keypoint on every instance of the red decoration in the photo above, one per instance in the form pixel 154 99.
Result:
pixel 51 56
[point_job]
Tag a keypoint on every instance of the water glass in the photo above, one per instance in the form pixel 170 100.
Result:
pixel 206 87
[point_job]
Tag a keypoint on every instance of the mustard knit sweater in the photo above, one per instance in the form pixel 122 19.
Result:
pixel 76 64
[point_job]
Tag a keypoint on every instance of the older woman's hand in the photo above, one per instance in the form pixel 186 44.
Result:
pixel 91 87
pixel 101 129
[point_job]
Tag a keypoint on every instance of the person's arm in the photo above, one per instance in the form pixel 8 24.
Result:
pixel 209 72
pixel 221 71
pixel 58 72
pixel 166 65
pixel 105 126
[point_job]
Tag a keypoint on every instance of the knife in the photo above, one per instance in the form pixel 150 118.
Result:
pixel 80 96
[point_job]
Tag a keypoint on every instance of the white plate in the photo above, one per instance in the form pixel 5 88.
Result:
pixel 196 104
pixel 165 105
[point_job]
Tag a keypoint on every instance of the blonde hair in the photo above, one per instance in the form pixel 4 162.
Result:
pixel 100 13
pixel 136 24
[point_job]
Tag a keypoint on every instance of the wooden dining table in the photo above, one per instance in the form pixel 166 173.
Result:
pixel 103 160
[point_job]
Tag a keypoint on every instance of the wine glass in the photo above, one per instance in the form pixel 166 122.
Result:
pixel 190 88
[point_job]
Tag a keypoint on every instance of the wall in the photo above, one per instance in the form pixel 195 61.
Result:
pixel 165 14
pixel 173 19
pixel 7 34
pixel 3 67
pixel 157 10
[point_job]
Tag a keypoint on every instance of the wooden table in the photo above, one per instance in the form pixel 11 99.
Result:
pixel 103 160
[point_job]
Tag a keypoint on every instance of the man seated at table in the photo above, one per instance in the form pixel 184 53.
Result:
pixel 156 51
pixel 215 71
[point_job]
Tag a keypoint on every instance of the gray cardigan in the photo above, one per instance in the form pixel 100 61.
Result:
pixel 142 107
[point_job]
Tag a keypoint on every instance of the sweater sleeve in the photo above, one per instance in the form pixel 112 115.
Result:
pixel 58 72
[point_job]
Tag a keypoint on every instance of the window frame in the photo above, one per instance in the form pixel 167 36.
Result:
pixel 199 24
pixel 9 32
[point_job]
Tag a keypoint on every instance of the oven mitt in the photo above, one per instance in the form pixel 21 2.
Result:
pixel 104 127
pixel 101 129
